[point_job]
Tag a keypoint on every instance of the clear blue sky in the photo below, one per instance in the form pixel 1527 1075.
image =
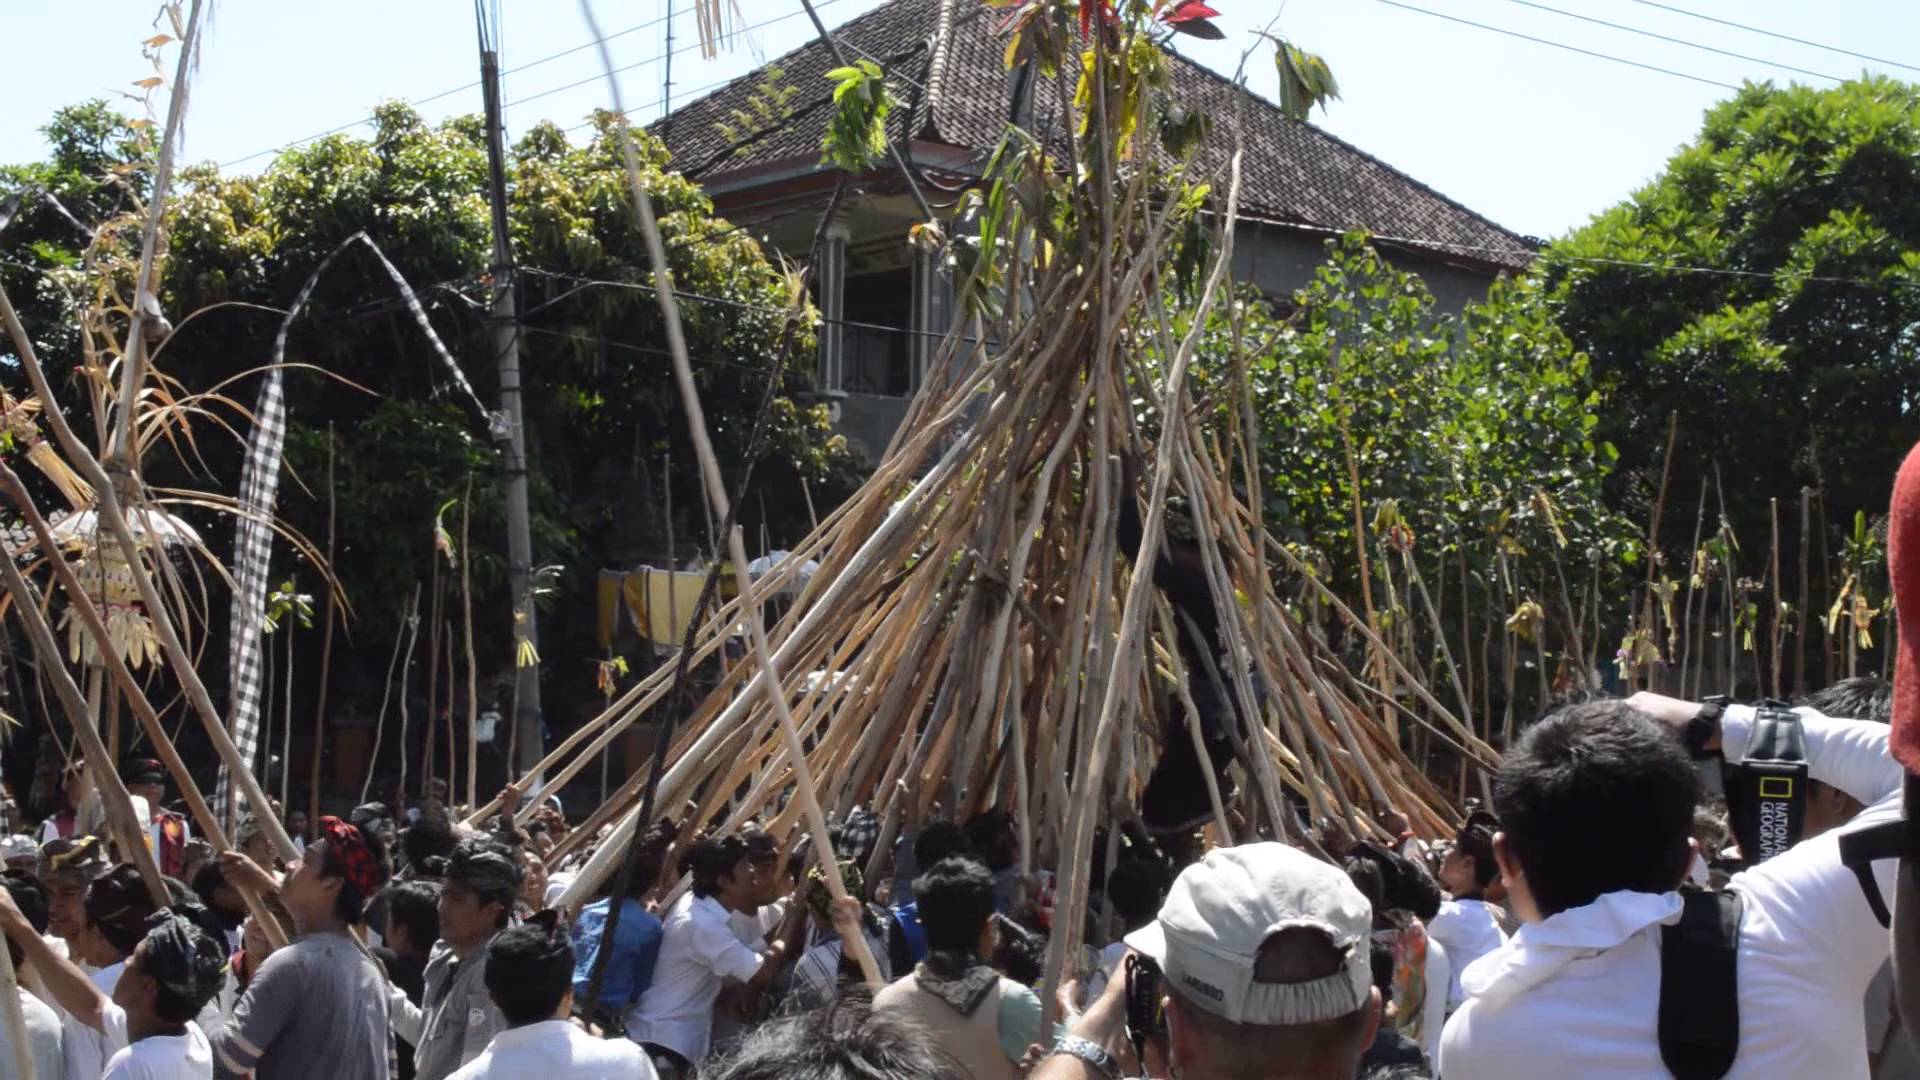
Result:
pixel 1535 137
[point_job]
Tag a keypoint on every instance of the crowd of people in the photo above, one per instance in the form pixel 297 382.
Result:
pixel 414 946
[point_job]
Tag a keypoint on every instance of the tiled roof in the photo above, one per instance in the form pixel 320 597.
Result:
pixel 955 87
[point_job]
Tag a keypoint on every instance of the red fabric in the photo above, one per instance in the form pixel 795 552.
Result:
pixel 351 854
pixel 1903 566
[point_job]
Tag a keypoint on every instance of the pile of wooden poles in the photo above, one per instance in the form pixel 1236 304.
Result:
pixel 976 637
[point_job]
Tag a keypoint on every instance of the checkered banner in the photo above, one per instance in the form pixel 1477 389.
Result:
pixel 253 532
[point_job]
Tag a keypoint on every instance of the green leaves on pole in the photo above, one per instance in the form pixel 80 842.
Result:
pixel 856 137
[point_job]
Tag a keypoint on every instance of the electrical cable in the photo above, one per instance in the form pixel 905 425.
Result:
pixel 522 67
pixel 1561 45
pixel 1776 36
pixel 1675 40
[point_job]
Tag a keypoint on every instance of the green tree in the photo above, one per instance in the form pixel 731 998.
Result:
pixel 1766 288
pixel 604 427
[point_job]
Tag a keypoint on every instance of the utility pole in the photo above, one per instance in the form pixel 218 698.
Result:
pixel 506 344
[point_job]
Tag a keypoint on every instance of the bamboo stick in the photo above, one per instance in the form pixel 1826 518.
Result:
pixel 15 1017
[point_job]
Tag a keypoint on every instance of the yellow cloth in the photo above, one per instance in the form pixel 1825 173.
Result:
pixel 660 601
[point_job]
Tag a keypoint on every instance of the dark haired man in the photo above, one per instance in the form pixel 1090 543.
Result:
pixel 636 944
pixel 1467 926
pixel 1135 889
pixel 1268 974
pixel 698 953
pixel 413 925
pixel 113 920
pixel 845 1041
pixel 1596 809
pixel 907 942
pixel 456 1018
pixel 43 1031
pixel 319 1006
pixel 146 1024
pixel 980 1018
pixel 529 973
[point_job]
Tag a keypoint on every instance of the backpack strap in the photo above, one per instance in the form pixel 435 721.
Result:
pixel 1699 993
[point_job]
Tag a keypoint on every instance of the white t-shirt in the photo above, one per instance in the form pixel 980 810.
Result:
pixel 86 1049
pixel 164 1057
pixel 1468 931
pixel 556 1050
pixel 1578 994
pixel 44 1038
pixel 698 953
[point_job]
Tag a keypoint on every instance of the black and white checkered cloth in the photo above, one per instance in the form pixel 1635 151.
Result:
pixel 253 532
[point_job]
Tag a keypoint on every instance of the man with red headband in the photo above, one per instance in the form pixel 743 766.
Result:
pixel 319 1006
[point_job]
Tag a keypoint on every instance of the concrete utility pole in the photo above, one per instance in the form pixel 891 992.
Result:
pixel 506 344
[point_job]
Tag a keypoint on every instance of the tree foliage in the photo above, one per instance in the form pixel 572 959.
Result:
pixel 605 433
pixel 1766 287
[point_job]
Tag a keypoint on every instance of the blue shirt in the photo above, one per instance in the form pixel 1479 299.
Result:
pixel 635 948
pixel 907 917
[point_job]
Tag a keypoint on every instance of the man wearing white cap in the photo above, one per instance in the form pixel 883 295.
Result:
pixel 1264 951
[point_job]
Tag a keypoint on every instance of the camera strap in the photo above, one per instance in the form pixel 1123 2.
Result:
pixel 1767 790
pixel 1699 990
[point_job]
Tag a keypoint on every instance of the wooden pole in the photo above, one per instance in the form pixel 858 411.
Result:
pixel 326 656
pixel 774 692
pixel 473 677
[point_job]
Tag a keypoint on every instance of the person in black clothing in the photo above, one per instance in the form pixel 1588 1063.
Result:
pixel 413 925
pixel 1175 799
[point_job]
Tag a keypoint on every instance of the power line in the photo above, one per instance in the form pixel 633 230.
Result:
pixel 523 67
pixel 1777 36
pixel 1675 40
pixel 1561 45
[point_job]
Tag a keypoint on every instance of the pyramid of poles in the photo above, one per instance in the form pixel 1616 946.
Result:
pixel 975 635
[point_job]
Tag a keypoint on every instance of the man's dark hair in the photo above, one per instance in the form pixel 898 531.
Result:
pixel 1136 888
pixel 1475 840
pixel 208 880
pixel 117 905
pixel 31 898
pixel 938 841
pixel 956 900
pixel 348 905
pixel 845 1041
pixel 430 837
pixel 1380 956
pixel 415 905
pixel 1365 875
pixel 1596 798
pixel 491 870
pixel 711 858
pixel 990 832
pixel 1408 885
pixel 1864 698
pixel 530 970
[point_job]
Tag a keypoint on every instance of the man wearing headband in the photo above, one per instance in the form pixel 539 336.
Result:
pixel 458 1017
pixel 317 1008
pixel 146 1024
pixel 529 975
pixel 1466 926
pixel 113 920
pixel 167 831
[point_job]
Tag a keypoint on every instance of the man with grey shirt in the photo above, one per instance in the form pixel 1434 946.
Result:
pixel 456 1018
pixel 319 1006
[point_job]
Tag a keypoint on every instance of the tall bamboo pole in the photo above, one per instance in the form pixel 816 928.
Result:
pixel 326 656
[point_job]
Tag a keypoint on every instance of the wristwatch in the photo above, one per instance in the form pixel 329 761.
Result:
pixel 1703 727
pixel 1090 1052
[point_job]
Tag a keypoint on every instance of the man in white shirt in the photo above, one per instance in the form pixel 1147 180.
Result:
pixel 44 1037
pixel 1596 805
pixel 529 974
pixel 1466 926
pixel 147 1023
pixel 698 952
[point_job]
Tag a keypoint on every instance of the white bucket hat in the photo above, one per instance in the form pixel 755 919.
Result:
pixel 1209 932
